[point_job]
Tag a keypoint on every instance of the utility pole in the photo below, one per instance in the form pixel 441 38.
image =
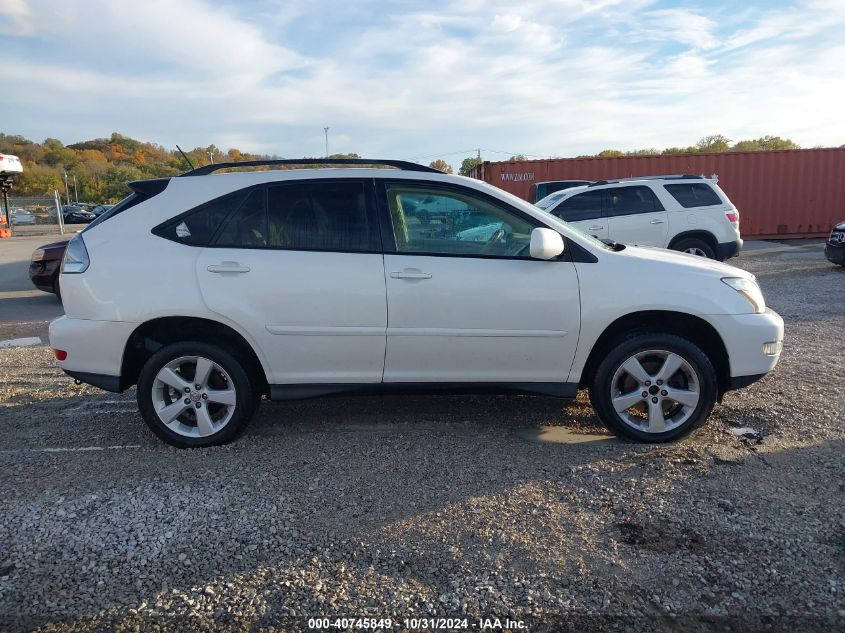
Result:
pixel 67 190
pixel 75 191
pixel 326 131
pixel 211 156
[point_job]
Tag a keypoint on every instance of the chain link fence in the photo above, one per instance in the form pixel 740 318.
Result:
pixel 36 215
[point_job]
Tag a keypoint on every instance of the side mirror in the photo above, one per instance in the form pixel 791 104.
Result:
pixel 545 243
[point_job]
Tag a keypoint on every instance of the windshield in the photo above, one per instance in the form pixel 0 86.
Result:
pixel 553 221
pixel 551 199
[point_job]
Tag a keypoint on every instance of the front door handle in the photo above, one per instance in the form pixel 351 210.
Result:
pixel 658 221
pixel 227 267
pixel 409 273
pixel 595 228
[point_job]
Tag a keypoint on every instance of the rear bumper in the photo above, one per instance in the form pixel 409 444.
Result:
pixel 835 254
pixel 94 349
pixel 726 250
pixel 744 336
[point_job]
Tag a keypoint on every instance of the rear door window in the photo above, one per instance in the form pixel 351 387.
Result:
pixel 630 201
pixel 246 227
pixel 583 206
pixel 325 216
pixel 690 195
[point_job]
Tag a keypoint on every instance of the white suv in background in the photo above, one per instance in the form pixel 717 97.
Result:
pixel 684 212
pixel 209 292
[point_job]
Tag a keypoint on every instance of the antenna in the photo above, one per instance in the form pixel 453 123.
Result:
pixel 185 156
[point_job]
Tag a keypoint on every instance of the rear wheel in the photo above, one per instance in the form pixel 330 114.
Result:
pixel 695 246
pixel 194 394
pixel 654 388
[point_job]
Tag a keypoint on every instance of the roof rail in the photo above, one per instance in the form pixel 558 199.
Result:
pixel 666 177
pixel 399 164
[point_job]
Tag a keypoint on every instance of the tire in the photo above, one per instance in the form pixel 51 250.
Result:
pixel 694 381
pixel 57 290
pixel 227 398
pixel 695 246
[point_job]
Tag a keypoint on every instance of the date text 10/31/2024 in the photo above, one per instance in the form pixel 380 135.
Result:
pixel 429 624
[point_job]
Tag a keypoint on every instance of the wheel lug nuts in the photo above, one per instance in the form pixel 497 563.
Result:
pixel 198 387
pixel 659 382
pixel 199 404
pixel 664 393
pixel 187 401
pixel 205 396
pixel 645 394
pixel 648 383
pixel 654 400
pixel 187 390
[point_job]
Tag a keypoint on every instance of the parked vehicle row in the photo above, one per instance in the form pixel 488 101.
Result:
pixel 681 212
pixel 305 282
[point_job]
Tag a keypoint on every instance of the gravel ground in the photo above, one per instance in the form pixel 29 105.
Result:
pixel 519 507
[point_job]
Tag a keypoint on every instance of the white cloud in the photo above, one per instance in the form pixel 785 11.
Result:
pixel 551 79
pixel 15 18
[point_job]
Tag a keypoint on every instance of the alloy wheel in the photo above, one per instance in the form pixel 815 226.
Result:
pixel 194 396
pixel 655 391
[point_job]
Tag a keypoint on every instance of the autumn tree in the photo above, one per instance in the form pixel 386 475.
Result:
pixel 442 165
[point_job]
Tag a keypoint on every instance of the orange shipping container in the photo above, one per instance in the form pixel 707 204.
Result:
pixel 779 194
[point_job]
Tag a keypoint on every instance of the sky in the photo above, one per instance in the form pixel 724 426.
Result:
pixel 423 80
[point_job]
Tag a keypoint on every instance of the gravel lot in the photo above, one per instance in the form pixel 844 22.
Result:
pixel 519 507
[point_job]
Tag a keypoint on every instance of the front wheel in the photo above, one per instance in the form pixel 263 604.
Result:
pixel 654 388
pixel 194 394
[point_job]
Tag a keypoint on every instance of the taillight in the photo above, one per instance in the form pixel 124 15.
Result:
pixel 76 256
pixel 60 354
pixel 732 216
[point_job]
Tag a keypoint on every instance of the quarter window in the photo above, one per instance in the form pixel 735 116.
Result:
pixel 320 216
pixel 584 206
pixel 198 227
pixel 691 195
pixel 630 201
pixel 438 221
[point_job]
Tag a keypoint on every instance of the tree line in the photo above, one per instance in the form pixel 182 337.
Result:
pixel 708 144
pixel 97 170
pixel 100 168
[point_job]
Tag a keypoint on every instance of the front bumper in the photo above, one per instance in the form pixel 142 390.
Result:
pixel 835 253
pixel 94 348
pixel 42 273
pixel 726 250
pixel 745 336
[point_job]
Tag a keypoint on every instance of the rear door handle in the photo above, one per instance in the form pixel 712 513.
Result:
pixel 227 267
pixel 595 228
pixel 409 273
pixel 658 221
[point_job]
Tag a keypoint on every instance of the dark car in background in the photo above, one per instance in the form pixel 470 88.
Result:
pixel 44 267
pixel 77 214
pixel 834 248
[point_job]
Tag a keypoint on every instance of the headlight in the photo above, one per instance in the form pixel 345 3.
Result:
pixel 76 256
pixel 749 290
pixel 38 255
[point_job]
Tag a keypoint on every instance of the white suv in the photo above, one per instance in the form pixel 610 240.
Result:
pixel 209 292
pixel 684 212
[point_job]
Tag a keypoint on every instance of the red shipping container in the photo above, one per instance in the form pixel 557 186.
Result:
pixel 779 194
